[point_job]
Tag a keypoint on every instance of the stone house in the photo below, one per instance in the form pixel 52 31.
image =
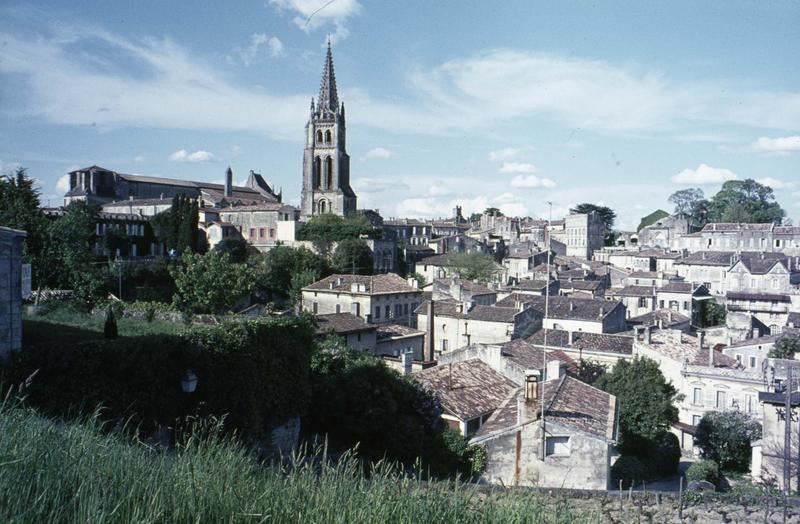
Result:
pixel 386 298
pixel 463 290
pixel 408 231
pixel 755 314
pixel 570 445
pixel 441 266
pixel 663 232
pixel 532 287
pixel 11 246
pixel 582 288
pixel 456 324
pixel 469 392
pixel 354 330
pixel 574 314
pixel 708 268
pixel 655 279
pixel 682 298
pixel 742 237
pixel 396 339
pixel 663 319
pixel 602 348
pixel 583 234
pixel 707 379
pixel 263 225
pixel 638 300
pixel 752 353
pixel 759 273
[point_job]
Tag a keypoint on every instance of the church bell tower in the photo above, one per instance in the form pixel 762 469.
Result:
pixel 326 164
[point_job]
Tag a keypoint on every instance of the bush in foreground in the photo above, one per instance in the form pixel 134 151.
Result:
pixel 725 437
pixel 707 470
pixel 54 472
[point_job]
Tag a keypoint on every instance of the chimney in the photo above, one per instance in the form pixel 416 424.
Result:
pixel 554 369
pixel 429 342
pixel 532 377
pixel 406 358
pixel 660 323
pixel 570 338
pixel 228 181
pixel 676 336
pixel 648 330
pixel 571 306
pixel 602 312
pixel 413 283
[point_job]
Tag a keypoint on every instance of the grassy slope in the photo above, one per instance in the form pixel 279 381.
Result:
pixel 63 325
pixel 53 472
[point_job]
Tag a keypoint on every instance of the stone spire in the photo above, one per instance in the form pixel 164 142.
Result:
pixel 328 97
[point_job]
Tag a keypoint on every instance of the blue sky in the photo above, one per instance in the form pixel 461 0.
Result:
pixel 458 102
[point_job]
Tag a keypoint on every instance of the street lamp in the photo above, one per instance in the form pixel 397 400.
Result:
pixel 189 381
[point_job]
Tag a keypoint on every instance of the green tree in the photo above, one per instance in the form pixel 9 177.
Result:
pixel 324 230
pixel 177 226
pixel 590 371
pixel 785 347
pixel 210 283
pixel 493 211
pixel 286 270
pixel 607 215
pixel 473 265
pixel 71 244
pixel 711 313
pixel 239 251
pixel 646 401
pixel 745 201
pixel 352 255
pixel 405 425
pixel 725 437
pixel 19 209
pixel 687 202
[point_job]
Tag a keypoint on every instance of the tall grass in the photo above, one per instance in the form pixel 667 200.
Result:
pixel 55 472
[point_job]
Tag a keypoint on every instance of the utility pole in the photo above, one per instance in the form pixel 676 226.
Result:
pixel 787 431
pixel 544 326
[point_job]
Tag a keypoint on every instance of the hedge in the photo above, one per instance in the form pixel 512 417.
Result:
pixel 703 470
pixel 255 373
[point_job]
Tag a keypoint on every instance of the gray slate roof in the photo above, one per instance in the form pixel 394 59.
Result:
pixel 566 308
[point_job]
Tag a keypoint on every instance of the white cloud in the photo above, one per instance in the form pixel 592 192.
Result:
pixel 774 183
pixel 504 154
pixel 517 167
pixel 439 188
pixel 378 152
pixel 531 181
pixel 198 157
pixel 704 174
pixel 781 145
pixel 138 158
pixel 313 14
pixel 260 44
pixel 62 186
pixel 377 185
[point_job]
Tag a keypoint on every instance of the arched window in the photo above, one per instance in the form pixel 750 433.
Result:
pixel 329 172
pixel 322 207
pixel 328 136
pixel 316 174
pixel 319 136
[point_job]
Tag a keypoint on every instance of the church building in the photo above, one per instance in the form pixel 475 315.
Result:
pixel 326 164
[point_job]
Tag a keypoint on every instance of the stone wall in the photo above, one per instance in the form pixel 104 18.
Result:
pixel 10 291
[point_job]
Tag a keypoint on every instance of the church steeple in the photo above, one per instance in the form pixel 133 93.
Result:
pixel 328 101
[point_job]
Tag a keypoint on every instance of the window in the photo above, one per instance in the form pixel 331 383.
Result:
pixel 721 400
pixel 697 397
pixel 660 304
pixel 252 232
pixel 556 446
pixel 405 309
pixel 319 136
pixel 338 308
pixel 377 312
pixel 261 231
pixel 398 310
pixel 271 233
pixel 685 305
pixel 315 307
pixel 359 337
pixel 444 344
pixel 642 302
pixel 388 311
pixel 696 420
pixel 749 403
pixel 327 137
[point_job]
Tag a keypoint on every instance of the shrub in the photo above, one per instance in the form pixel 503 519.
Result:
pixel 666 455
pixel 254 373
pixel 725 437
pixel 629 470
pixel 707 470
pixel 110 327
pixel 210 283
